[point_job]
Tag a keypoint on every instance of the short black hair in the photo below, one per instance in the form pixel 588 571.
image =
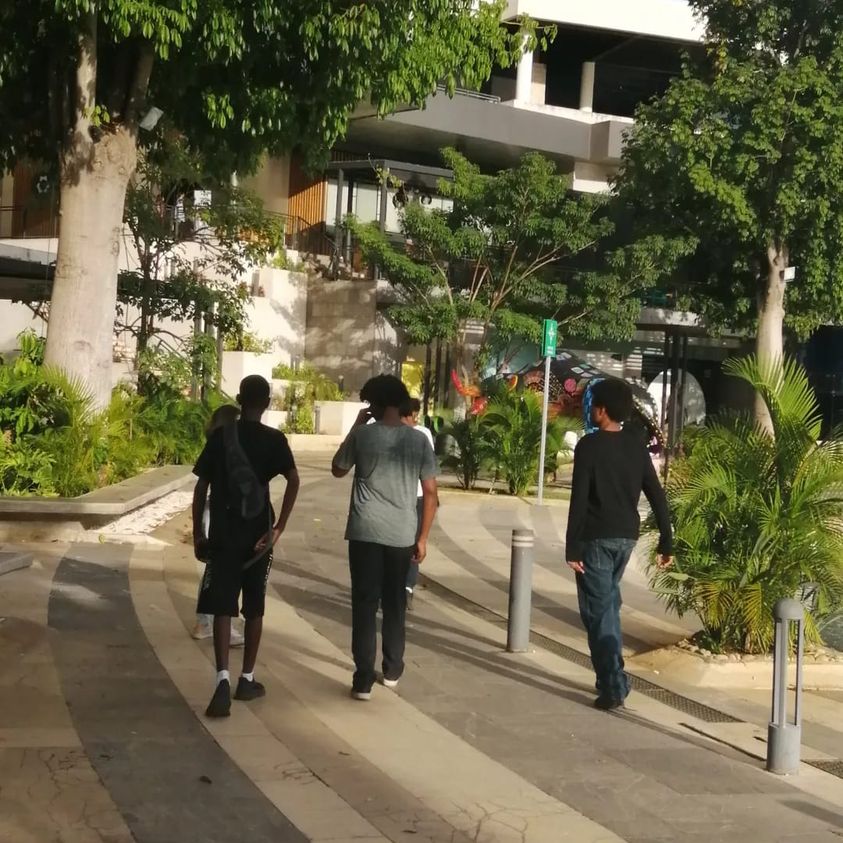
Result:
pixel 615 397
pixel 255 393
pixel 410 408
pixel 384 391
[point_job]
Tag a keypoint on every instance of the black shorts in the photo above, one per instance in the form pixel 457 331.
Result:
pixel 225 579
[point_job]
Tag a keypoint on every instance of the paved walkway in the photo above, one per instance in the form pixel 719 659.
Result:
pixel 102 739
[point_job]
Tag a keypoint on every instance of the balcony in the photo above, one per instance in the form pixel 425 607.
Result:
pixel 671 19
pixel 495 133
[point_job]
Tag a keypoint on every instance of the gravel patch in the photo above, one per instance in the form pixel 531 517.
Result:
pixel 148 518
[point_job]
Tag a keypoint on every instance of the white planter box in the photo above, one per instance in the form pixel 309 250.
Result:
pixel 275 418
pixel 237 364
pixel 335 418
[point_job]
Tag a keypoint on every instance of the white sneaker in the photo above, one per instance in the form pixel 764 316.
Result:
pixel 237 637
pixel 204 627
pixel 363 696
pixel 390 683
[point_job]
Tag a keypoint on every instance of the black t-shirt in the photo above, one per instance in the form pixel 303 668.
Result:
pixel 270 456
pixel 610 472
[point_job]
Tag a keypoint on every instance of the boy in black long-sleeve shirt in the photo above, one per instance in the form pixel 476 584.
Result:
pixel 611 469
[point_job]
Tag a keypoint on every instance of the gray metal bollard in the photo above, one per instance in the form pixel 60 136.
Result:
pixel 784 738
pixel 520 591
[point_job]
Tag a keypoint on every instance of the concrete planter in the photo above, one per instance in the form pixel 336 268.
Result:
pixel 734 672
pixel 314 443
pixel 275 418
pixel 237 364
pixel 335 418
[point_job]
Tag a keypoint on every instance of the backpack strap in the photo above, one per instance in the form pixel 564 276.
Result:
pixel 232 441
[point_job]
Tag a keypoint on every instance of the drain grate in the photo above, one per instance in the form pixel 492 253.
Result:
pixel 835 766
pixel 662 695
pixel 680 703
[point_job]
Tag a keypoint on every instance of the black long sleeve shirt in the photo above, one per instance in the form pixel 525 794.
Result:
pixel 611 469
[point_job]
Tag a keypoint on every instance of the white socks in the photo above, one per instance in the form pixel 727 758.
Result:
pixel 225 675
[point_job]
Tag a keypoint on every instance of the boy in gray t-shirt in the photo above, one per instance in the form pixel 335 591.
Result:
pixel 389 459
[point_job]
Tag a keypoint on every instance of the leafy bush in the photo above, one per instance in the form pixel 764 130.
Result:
pixel 24 470
pixel 171 370
pixel 52 442
pixel 316 386
pixel 247 341
pixel 757 516
pixel 513 422
pixel 301 419
pixel 472 452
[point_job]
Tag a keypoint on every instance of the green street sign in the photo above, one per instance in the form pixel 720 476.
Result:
pixel 550 331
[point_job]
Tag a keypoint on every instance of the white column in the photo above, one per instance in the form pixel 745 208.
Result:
pixel 524 78
pixel 587 87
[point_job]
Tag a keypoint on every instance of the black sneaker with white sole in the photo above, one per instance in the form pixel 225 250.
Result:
pixel 220 704
pixel 248 689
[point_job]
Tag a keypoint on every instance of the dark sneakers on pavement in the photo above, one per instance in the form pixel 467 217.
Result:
pixel 608 703
pixel 248 689
pixel 220 704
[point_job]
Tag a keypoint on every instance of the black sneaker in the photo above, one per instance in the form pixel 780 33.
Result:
pixel 220 704
pixel 608 703
pixel 249 690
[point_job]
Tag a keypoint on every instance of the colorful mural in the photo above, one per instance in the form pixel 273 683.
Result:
pixel 571 379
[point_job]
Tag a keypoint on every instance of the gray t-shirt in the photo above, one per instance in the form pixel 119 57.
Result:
pixel 388 463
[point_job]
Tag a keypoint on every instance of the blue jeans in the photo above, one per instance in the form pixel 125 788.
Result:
pixel 599 596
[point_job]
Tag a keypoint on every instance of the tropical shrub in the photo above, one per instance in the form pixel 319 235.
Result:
pixel 471 452
pixel 52 442
pixel 513 422
pixel 301 419
pixel 757 516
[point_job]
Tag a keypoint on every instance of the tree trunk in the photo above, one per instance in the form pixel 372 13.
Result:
pixel 94 179
pixel 769 343
pixel 146 312
pixel 95 165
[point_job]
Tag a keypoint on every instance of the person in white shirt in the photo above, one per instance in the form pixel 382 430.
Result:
pixel 410 417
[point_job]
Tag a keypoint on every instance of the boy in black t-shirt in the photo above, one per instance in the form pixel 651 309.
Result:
pixel 239 551
pixel 611 468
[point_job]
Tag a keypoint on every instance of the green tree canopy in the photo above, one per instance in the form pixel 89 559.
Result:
pixel 742 158
pixel 78 77
pixel 514 248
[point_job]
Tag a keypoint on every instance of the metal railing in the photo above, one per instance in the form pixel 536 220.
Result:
pixel 465 92
pixel 304 237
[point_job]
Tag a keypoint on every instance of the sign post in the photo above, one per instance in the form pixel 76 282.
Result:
pixel 550 330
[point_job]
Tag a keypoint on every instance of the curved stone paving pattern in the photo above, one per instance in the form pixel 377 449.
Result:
pixel 169 778
pixel 478 746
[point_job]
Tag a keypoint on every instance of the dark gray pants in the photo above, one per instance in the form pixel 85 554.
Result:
pixel 378 576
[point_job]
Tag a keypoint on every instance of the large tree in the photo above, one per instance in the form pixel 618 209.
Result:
pixel 513 248
pixel 78 77
pixel 743 158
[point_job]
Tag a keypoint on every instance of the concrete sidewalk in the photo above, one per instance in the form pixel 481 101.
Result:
pixel 642 774
pixel 102 736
